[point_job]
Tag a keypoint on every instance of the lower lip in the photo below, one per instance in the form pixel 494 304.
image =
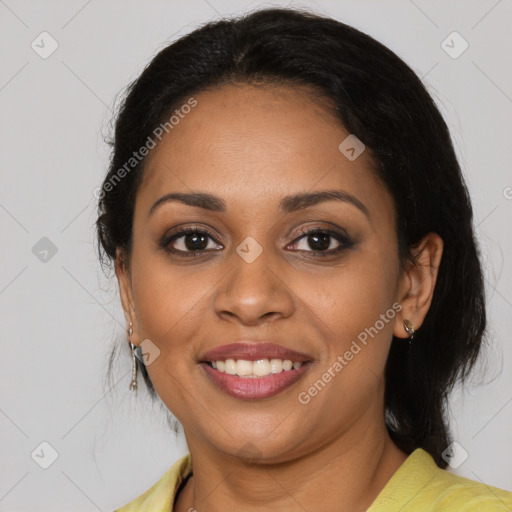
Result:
pixel 254 388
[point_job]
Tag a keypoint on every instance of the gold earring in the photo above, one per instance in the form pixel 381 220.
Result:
pixel 133 382
pixel 409 328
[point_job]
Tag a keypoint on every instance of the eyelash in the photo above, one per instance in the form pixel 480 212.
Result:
pixel 344 241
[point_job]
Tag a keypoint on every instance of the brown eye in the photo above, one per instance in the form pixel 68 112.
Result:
pixel 191 240
pixel 322 241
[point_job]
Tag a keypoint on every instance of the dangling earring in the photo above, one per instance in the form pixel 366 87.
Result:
pixel 133 382
pixel 409 329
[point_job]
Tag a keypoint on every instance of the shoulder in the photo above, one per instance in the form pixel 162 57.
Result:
pixel 465 495
pixel 160 497
pixel 420 485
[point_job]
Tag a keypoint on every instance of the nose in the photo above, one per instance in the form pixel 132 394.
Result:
pixel 253 293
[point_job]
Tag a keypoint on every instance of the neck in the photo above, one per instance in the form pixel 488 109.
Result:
pixel 346 474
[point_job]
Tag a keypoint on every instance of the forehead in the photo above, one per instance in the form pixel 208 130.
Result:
pixel 244 141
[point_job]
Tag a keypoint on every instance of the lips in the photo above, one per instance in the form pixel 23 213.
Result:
pixel 255 387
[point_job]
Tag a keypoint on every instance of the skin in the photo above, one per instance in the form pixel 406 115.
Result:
pixel 252 146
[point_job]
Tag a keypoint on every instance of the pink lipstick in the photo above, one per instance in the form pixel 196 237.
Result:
pixel 254 370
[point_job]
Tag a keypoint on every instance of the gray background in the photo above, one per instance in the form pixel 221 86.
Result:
pixel 59 314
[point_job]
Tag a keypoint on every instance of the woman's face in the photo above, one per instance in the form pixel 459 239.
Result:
pixel 260 154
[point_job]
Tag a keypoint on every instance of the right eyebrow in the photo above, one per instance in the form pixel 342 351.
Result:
pixel 201 200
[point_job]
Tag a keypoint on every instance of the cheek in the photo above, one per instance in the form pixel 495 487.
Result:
pixel 356 340
pixel 170 302
pixel 354 312
pixel 168 298
pixel 353 296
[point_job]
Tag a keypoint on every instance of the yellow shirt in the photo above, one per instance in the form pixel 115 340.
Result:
pixel 418 485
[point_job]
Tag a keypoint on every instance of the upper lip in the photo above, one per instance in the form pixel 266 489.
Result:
pixel 252 351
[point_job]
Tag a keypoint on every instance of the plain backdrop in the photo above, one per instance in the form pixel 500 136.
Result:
pixel 60 314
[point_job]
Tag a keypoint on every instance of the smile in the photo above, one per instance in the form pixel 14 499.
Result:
pixel 254 369
pixel 250 370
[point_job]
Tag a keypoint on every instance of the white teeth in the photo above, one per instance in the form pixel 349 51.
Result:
pixel 254 369
pixel 287 365
pixel 243 368
pixel 276 365
pixel 261 368
pixel 230 367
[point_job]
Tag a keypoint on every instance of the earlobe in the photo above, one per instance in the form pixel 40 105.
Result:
pixel 417 284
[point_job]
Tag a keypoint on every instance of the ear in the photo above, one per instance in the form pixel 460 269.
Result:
pixel 417 283
pixel 125 290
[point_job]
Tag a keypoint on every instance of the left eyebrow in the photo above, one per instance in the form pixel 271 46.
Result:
pixel 288 204
pixel 301 201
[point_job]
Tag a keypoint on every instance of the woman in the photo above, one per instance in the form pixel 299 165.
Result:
pixel 293 242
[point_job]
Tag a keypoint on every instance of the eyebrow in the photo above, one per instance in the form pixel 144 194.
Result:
pixel 288 204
